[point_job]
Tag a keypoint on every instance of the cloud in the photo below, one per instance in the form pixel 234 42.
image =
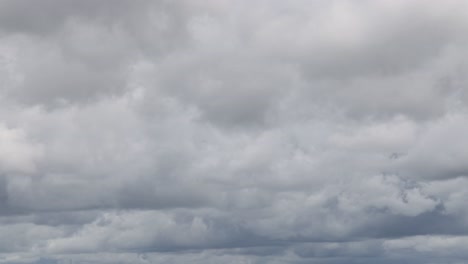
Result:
pixel 233 131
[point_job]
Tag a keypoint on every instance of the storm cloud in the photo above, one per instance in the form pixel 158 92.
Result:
pixel 233 131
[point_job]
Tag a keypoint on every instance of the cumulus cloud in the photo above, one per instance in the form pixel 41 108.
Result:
pixel 220 131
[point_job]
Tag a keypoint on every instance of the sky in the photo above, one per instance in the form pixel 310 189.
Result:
pixel 233 131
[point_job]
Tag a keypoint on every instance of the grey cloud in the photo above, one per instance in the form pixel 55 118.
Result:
pixel 438 165
pixel 228 91
pixel 356 39
pixel 67 52
pixel 25 16
pixel 233 132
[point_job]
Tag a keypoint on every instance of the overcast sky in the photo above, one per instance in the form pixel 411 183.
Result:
pixel 233 131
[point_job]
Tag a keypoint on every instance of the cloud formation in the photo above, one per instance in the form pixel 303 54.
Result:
pixel 218 131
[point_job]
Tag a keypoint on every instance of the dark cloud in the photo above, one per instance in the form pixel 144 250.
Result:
pixel 221 131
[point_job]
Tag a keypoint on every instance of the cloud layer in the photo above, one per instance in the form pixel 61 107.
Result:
pixel 216 131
